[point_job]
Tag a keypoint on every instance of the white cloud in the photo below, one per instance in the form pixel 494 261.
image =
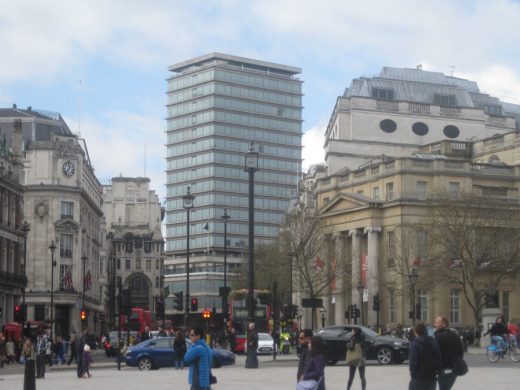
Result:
pixel 313 152
pixel 498 80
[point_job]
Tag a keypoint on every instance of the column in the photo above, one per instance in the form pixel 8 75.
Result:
pixel 340 305
pixel 356 263
pixel 372 271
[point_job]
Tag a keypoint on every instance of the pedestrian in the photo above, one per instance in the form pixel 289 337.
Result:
pixel 513 329
pixel 199 358
pixel 232 339
pixel 27 351
pixel 10 351
pixel 252 346
pixel 304 340
pixel 399 332
pixel 3 351
pixel 73 355
pixel 179 346
pixel 59 350
pixel 42 345
pixel 146 335
pixel 356 357
pixel 79 345
pixel 314 374
pixel 452 351
pixel 86 358
pixel 424 359
pixel 161 332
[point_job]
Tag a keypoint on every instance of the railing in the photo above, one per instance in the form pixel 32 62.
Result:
pixel 450 111
pixel 498 139
pixel 421 163
pixel 418 108
pixel 360 173
pixel 387 105
pixel 454 164
pixel 491 169
pixel 499 119
pixel 17 280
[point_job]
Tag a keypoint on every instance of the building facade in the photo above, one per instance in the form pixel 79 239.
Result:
pixel 63 207
pixel 135 242
pixel 12 275
pixel 218 105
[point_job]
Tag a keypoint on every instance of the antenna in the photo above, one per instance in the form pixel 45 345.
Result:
pixel 79 108
pixel 452 69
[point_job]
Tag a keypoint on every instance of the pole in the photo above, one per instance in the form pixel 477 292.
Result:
pixel 84 258
pixel 413 305
pixel 251 273
pixel 275 287
pixel 25 230
pixel 188 301
pixel 224 298
pixel 52 248
pixel 119 310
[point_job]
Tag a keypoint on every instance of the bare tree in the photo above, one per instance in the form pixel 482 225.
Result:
pixel 476 244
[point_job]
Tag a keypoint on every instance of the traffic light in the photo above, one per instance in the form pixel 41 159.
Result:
pixel 125 302
pixel 410 315
pixel 376 306
pixel 178 300
pixel 354 311
pixel 83 315
pixel 194 304
pixel 418 311
pixel 206 314
pixel 294 311
pixel 18 314
pixel 159 308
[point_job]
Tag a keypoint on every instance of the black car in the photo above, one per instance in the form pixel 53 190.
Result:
pixel 384 349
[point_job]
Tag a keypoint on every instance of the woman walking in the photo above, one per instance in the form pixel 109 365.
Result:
pixel 314 374
pixel 179 346
pixel 87 361
pixel 356 357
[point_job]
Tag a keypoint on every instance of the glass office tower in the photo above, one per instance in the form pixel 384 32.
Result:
pixel 217 105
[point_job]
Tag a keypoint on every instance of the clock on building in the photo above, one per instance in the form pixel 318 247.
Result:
pixel 68 168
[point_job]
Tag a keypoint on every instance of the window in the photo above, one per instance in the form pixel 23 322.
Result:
pixel 454 190
pixel 455 306
pixel 66 245
pixel 422 244
pixel 444 100
pixel 39 312
pixel 157 282
pixel 423 302
pixel 391 249
pixel 148 265
pixel 451 131
pixel 147 246
pixel 118 263
pixel 156 264
pixel 420 128
pixel 389 191
pixel 493 110
pixel 129 246
pixel 382 94
pixel 375 193
pixel 137 263
pixel 67 210
pixel 388 125
pixel 391 305
pixel 421 189
pixel 127 264
pixel 506 305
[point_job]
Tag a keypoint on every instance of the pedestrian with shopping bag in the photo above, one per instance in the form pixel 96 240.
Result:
pixel 356 357
pixel 314 375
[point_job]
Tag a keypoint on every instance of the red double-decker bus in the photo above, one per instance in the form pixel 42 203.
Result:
pixel 137 320
pixel 238 311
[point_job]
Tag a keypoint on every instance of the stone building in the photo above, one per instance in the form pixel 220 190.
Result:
pixel 12 278
pixel 135 242
pixel 63 206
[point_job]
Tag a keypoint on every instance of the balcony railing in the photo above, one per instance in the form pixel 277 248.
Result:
pixel 450 111
pixel 418 108
pixel 12 279
pixel 387 105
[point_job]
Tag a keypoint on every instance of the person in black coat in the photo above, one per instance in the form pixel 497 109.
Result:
pixel 499 333
pixel 79 345
pixel 179 346
pixel 451 349
pixel 424 359
pixel 315 369
pixel 146 335
pixel 304 339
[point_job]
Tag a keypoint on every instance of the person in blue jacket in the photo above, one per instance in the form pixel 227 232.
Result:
pixel 199 358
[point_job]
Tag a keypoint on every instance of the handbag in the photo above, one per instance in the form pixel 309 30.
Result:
pixel 310 384
pixel 460 368
pixel 355 356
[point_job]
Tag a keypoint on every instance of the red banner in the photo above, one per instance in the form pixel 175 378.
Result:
pixel 364 267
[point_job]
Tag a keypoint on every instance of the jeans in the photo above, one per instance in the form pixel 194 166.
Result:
pixel 352 373
pixel 499 342
pixel 179 364
pixel 446 381
pixel 416 384
pixel 40 365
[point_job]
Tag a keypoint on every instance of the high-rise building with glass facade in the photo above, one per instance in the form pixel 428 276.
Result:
pixel 217 105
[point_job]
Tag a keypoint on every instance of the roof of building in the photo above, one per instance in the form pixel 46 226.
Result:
pixel 50 119
pixel 234 60
pixel 420 86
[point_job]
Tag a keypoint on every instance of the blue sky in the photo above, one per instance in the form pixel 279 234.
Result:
pixel 121 49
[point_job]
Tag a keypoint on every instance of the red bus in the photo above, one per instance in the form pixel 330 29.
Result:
pixel 138 320
pixel 238 311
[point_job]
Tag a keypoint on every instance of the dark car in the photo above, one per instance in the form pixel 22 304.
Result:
pixel 384 349
pixel 110 344
pixel 157 353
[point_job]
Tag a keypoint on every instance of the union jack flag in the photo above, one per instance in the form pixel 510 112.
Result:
pixel 67 281
pixel 88 281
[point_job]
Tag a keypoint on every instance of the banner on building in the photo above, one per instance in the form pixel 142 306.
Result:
pixel 364 269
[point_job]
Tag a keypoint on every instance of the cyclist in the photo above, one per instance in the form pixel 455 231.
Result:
pixel 499 333
pixel 513 328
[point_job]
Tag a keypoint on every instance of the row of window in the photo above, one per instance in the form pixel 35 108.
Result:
pixel 229 186
pixel 233 118
pixel 226 199
pixel 419 128
pixel 421 247
pixel 193 79
pixel 235 132
pixel 137 264
pixel 129 246
pixel 232 104
pixel 443 100
pixel 202 267
pixel 228 172
pixel 217 227
pixel 214 212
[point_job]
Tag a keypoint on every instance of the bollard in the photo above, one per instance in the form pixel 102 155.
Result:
pixel 29 379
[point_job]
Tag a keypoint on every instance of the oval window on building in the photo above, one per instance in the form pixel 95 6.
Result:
pixel 388 125
pixel 420 128
pixel 451 131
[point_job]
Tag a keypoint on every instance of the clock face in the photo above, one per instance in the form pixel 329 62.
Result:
pixel 68 169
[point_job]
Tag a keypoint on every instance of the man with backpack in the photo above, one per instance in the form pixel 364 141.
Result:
pixel 425 360
pixel 452 351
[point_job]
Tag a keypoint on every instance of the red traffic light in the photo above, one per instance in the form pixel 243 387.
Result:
pixel 194 304
pixel 17 309
pixel 206 314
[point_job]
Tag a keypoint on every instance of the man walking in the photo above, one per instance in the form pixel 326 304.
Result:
pixel 451 349
pixel 199 358
pixel 424 358
pixel 42 342
pixel 79 345
pixel 146 335
pixel 252 347
pixel 304 340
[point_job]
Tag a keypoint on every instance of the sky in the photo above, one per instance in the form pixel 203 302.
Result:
pixel 103 63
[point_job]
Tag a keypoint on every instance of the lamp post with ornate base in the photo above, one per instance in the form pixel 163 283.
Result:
pixel 25 228
pixel 412 277
pixel 52 247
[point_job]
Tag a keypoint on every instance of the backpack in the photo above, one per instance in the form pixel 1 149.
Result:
pixel 429 364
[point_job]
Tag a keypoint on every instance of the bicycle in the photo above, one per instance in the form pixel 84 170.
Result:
pixel 494 352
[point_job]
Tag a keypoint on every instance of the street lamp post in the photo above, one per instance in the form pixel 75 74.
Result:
pixel 187 201
pixel 26 228
pixel 412 277
pixel 291 259
pixel 52 247
pixel 225 217
pixel 360 287
pixel 84 260
pixel 251 166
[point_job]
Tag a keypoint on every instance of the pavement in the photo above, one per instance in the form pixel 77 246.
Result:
pixel 279 374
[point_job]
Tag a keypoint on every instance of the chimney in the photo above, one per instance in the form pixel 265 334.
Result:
pixel 17 138
pixel 419 67
pixel 29 108
pixel 14 106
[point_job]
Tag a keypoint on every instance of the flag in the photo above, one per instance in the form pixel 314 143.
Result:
pixel 206 227
pixel 318 264
pixel 67 281
pixel 88 281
